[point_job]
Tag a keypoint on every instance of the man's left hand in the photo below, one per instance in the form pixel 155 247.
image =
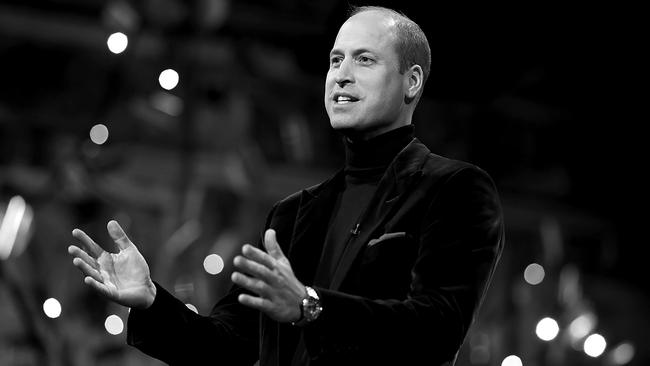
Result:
pixel 269 275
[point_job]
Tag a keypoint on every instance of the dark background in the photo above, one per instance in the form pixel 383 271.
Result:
pixel 546 98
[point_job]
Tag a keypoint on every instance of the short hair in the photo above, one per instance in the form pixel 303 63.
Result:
pixel 412 46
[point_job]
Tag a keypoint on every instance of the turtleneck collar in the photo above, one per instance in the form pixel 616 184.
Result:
pixel 378 152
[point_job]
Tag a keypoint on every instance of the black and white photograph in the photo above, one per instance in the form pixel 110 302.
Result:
pixel 316 183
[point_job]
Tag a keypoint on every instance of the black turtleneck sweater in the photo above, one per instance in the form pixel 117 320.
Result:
pixel 365 164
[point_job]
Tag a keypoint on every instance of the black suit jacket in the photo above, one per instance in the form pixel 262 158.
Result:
pixel 408 286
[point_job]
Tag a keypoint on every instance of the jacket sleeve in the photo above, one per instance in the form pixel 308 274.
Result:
pixel 460 241
pixel 171 332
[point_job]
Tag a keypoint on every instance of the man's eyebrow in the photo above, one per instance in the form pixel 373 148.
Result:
pixel 335 51
pixel 357 51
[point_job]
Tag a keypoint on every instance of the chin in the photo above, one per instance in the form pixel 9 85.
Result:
pixel 339 126
pixel 343 123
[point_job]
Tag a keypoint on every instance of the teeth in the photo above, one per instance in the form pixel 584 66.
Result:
pixel 343 99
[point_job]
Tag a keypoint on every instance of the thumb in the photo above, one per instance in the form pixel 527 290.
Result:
pixel 118 235
pixel 271 244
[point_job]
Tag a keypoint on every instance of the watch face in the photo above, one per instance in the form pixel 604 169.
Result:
pixel 312 309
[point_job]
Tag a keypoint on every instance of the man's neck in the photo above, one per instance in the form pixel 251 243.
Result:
pixel 378 151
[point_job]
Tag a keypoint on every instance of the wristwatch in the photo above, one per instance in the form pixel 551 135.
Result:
pixel 310 308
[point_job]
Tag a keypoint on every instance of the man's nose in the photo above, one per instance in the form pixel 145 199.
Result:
pixel 344 74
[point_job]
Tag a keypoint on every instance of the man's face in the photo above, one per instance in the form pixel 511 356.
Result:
pixel 364 91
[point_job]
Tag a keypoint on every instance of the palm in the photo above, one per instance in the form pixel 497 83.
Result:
pixel 125 275
pixel 122 277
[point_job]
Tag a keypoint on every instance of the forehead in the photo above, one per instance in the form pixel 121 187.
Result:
pixel 370 30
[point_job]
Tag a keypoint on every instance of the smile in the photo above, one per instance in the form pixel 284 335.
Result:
pixel 344 99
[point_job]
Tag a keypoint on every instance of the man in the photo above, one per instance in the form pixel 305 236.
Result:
pixel 386 262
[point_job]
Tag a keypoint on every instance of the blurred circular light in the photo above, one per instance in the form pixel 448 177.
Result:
pixel 512 360
pixel 167 103
pixel 623 353
pixel 479 355
pixel 99 134
pixel 581 326
pixel 213 264
pixel 52 307
pixel 547 329
pixel 114 324
pixel 192 307
pixel 117 42
pixel 595 345
pixel 168 79
pixel 534 274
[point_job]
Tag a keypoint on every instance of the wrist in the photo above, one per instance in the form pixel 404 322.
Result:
pixel 299 308
pixel 310 307
pixel 150 296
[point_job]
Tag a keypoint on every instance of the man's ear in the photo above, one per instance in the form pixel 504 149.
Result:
pixel 414 79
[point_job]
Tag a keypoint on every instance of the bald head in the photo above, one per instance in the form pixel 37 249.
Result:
pixel 411 44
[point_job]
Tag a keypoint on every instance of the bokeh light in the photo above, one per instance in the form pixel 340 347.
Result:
pixel 114 324
pixel 534 274
pixel 595 345
pixel 99 134
pixel 167 103
pixel 547 329
pixel 52 307
pixel 622 354
pixel 581 326
pixel 117 42
pixel 512 360
pixel 213 264
pixel 15 222
pixel 479 343
pixel 168 79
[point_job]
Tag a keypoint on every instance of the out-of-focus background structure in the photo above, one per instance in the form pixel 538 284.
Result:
pixel 187 120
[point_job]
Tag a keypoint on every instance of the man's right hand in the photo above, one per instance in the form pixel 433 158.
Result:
pixel 122 277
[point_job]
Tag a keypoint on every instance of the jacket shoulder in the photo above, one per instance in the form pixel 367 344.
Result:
pixel 290 203
pixel 437 166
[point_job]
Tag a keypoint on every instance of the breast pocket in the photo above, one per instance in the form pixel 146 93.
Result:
pixel 386 237
pixel 386 265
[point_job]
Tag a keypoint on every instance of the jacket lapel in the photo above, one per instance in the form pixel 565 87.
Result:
pixel 305 246
pixel 393 187
pixel 314 211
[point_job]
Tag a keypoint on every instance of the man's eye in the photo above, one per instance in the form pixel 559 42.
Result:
pixel 365 60
pixel 335 60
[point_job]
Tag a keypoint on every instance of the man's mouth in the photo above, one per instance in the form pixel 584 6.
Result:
pixel 344 99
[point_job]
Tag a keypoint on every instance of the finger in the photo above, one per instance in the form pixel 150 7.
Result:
pixel 98 286
pixel 258 256
pixel 118 235
pixel 87 269
pixel 271 244
pixel 253 268
pixel 78 252
pixel 254 302
pixel 253 284
pixel 93 249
